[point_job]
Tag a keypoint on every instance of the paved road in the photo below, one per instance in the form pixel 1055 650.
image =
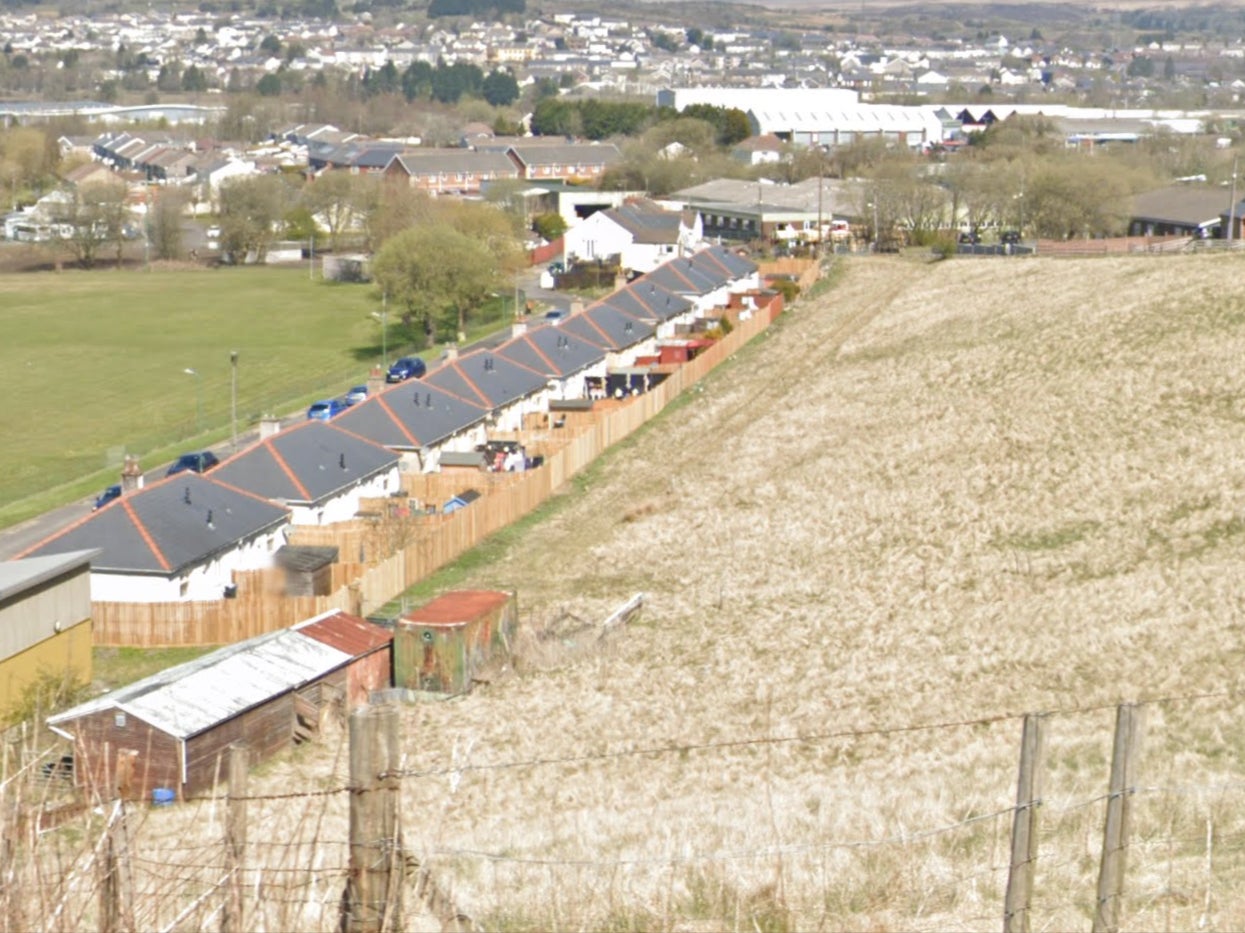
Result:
pixel 17 538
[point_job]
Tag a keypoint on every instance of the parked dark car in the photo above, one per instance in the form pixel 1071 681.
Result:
pixel 557 268
pixel 970 239
pixel 1010 237
pixel 199 462
pixel 112 492
pixel 406 367
pixel 326 409
pixel 356 395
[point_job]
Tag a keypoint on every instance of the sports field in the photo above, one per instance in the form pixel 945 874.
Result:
pixel 93 364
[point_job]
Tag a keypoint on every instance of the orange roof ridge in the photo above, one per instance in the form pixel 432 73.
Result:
pixel 128 506
pixel 285 468
pixel 383 403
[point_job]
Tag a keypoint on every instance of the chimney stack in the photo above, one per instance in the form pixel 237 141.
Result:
pixel 620 282
pixel 131 475
pixel 518 328
pixel 451 351
pixel 577 306
pixel 268 426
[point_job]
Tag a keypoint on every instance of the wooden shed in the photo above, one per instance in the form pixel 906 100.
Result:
pixel 172 730
pixel 443 646
pixel 308 569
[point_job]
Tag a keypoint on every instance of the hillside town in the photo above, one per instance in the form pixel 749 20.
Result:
pixel 236 50
pixel 508 438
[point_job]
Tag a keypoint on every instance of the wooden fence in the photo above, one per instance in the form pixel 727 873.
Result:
pixel 380 556
pixel 803 271
pixel 1112 246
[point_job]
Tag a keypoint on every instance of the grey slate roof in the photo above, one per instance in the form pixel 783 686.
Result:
pixel 552 351
pixel 567 154
pixel 762 197
pixel 1182 204
pixel 607 326
pixel 367 153
pixel 487 379
pixel 308 463
pixel 411 415
pixel 454 161
pixel 689 275
pixel 646 222
pixel 157 531
pixel 648 300
pixel 17 576
pixel 738 266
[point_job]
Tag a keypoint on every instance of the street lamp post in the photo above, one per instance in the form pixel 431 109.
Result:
pixel 198 397
pixel 383 318
pixel 233 396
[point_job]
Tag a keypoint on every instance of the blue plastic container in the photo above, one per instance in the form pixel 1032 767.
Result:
pixel 163 797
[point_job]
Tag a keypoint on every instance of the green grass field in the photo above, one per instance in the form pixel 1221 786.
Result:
pixel 92 366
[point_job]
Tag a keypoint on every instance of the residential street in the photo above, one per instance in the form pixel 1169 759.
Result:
pixel 18 538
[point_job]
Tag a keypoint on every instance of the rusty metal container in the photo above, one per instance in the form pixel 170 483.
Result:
pixel 443 646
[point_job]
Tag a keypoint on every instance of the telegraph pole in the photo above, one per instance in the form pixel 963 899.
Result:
pixel 1232 206
pixel 233 396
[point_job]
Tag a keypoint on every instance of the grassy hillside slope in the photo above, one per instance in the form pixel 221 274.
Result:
pixel 932 500
pixel 1015 487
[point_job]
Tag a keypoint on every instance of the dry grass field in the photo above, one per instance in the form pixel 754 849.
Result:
pixel 932 500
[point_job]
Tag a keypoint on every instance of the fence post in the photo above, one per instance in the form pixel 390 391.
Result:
pixel 235 839
pixel 115 893
pixel 1115 835
pixel 1025 826
pixel 373 898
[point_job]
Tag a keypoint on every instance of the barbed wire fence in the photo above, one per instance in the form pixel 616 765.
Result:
pixel 338 856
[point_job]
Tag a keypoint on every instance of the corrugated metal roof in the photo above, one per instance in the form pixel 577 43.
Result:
pixel 457 607
pixel 345 632
pixel 190 698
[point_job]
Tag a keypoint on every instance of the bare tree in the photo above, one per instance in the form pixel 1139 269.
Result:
pixel 93 215
pixel 337 200
pixel 251 210
pixel 164 223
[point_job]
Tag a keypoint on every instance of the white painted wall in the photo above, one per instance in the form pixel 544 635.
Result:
pixel 345 506
pixel 204 582
pixel 597 237
pixel 574 385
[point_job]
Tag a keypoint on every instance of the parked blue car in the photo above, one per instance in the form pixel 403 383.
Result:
pixel 326 409
pixel 112 492
pixel 406 367
pixel 199 462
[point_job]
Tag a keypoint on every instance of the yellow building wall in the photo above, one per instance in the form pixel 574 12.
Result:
pixel 65 651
